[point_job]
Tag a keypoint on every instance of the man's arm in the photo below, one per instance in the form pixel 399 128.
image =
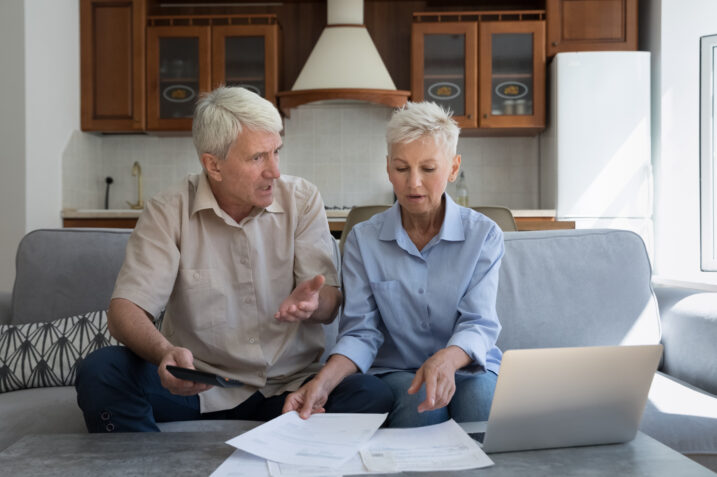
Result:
pixel 133 327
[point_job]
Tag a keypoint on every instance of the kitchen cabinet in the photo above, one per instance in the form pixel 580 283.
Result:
pixel 591 25
pixel 488 68
pixel 512 74
pixel 190 56
pixel 112 66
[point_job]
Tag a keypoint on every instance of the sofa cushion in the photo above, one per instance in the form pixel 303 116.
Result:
pixel 576 288
pixel 36 355
pixel 65 272
pixel 681 416
pixel 39 411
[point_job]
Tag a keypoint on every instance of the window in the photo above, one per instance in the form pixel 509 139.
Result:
pixel 708 153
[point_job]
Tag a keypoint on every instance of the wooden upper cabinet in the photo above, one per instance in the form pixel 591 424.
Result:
pixel 512 74
pixel 178 71
pixel 247 56
pixel 486 67
pixel 444 67
pixel 591 25
pixel 186 60
pixel 112 35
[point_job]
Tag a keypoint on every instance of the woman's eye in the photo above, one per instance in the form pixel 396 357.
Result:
pixel 429 169
pixel 402 169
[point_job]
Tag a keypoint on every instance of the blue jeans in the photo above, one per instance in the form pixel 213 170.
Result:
pixel 471 401
pixel 120 392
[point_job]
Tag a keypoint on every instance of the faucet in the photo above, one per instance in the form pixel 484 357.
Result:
pixel 137 172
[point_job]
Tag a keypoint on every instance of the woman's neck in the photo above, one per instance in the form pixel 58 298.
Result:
pixel 421 228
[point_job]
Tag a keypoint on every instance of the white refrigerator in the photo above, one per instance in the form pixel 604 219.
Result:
pixel 595 159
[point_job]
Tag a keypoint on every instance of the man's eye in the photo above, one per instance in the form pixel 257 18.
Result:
pixel 429 169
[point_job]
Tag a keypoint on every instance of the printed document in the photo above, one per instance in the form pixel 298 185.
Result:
pixel 323 440
pixel 444 446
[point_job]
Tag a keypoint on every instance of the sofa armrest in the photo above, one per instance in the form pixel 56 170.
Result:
pixel 689 334
pixel 5 307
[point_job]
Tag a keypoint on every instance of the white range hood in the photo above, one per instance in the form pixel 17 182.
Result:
pixel 344 64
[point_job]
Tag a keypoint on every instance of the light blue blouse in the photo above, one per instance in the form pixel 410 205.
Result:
pixel 402 305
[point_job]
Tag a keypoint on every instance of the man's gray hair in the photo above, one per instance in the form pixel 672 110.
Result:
pixel 221 115
pixel 416 120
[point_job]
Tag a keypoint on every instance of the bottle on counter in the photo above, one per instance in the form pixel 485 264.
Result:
pixel 462 190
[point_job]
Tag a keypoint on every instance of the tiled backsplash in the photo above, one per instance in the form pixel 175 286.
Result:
pixel 339 147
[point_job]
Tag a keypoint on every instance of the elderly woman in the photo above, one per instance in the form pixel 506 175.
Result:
pixel 420 283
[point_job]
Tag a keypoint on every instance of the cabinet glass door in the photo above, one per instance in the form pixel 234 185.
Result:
pixel 512 74
pixel 245 55
pixel 178 71
pixel 444 67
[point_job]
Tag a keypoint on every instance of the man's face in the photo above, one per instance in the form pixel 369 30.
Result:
pixel 245 179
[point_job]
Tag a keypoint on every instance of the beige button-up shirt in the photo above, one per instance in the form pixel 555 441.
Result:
pixel 222 281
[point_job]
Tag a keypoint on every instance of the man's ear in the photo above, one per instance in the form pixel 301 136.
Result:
pixel 212 166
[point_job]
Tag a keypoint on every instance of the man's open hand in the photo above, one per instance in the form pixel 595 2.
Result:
pixel 303 301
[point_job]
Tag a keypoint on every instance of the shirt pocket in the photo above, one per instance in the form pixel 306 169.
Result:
pixel 200 296
pixel 387 296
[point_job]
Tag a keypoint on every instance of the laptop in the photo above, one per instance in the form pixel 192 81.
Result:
pixel 564 397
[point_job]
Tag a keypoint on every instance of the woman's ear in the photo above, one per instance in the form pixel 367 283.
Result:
pixel 455 167
pixel 211 166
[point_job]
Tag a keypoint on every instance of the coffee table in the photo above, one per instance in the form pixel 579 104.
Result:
pixel 199 453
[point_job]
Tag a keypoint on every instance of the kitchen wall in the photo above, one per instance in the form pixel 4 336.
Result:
pixel 339 147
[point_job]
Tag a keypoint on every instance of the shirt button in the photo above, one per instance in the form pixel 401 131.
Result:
pixel 420 291
pixel 249 300
pixel 424 326
pixel 244 261
pixel 260 374
pixel 196 275
pixel 252 340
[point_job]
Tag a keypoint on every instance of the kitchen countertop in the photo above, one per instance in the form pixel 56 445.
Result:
pixel 332 214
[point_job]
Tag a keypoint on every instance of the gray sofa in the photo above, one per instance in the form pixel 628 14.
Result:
pixel 557 288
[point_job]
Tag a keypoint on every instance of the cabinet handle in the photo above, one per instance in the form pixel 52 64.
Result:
pixel 468 116
pixel 555 43
pixel 485 116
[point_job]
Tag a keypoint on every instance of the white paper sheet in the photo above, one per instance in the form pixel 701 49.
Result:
pixel 242 464
pixel 323 440
pixel 354 466
pixel 442 446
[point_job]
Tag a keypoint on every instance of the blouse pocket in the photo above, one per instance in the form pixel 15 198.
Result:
pixel 387 297
pixel 201 299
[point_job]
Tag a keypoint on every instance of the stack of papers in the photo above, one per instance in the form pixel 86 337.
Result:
pixel 332 445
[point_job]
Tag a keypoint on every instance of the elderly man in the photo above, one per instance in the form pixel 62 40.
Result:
pixel 240 259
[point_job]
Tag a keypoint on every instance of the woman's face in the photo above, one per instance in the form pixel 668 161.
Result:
pixel 420 171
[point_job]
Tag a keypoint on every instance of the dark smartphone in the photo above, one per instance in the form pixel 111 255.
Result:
pixel 202 377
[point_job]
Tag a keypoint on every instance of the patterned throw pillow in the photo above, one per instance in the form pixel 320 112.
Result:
pixel 36 355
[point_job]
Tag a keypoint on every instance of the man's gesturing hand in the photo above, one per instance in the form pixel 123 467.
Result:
pixel 303 301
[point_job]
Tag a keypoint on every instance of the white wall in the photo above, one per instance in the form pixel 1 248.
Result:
pixel 52 104
pixel 674 29
pixel 12 136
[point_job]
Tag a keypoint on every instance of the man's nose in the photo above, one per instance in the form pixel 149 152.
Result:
pixel 272 169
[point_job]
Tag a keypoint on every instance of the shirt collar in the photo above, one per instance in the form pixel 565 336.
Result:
pixel 451 230
pixel 204 199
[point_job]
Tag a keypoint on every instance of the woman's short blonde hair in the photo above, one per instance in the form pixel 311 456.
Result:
pixel 416 120
pixel 220 116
